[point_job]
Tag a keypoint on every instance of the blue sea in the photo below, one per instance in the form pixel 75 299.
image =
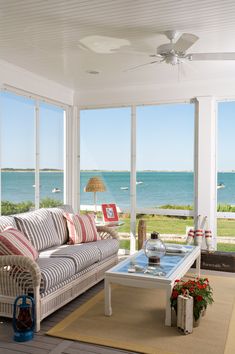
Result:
pixel 154 189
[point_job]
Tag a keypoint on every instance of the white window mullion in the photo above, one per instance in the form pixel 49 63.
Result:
pixel 76 158
pixel 37 155
pixel 67 169
pixel 133 182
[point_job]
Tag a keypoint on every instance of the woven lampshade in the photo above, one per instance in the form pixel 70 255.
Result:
pixel 95 184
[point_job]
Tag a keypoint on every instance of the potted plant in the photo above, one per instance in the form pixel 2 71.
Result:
pixel 199 289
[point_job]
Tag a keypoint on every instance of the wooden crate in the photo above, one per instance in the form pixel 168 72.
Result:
pixel 220 261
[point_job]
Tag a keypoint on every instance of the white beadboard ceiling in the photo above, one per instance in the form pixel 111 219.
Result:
pixel 43 37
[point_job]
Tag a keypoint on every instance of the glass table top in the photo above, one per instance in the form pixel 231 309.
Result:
pixel 138 264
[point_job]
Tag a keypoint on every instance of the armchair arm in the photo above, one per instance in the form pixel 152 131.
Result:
pixel 18 275
pixel 106 232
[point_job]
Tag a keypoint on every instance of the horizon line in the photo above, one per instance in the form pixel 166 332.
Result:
pixel 103 170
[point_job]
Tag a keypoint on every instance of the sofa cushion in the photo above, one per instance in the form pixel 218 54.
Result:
pixel 107 247
pixel 14 242
pixel 83 255
pixel 55 271
pixel 39 228
pixel 60 221
pixel 7 221
pixel 81 228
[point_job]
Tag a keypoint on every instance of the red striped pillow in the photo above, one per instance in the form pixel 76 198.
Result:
pixel 81 228
pixel 14 242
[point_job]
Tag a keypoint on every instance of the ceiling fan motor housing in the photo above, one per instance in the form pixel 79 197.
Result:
pixel 168 53
pixel 165 48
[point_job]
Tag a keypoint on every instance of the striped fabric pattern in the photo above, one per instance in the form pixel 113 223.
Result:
pixel 60 221
pixel 14 242
pixel 107 247
pixel 54 271
pixel 74 277
pixel 6 221
pixel 39 228
pixel 83 255
pixel 81 228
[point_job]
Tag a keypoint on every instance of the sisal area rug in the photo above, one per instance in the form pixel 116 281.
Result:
pixel 137 323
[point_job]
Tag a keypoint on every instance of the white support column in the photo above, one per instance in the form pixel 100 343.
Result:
pixel 133 182
pixel 205 165
pixel 1 90
pixel 37 155
pixel 76 158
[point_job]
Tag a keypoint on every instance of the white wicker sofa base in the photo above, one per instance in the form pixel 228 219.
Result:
pixel 60 274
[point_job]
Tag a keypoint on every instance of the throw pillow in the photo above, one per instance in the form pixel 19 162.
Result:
pixel 81 228
pixel 39 228
pixel 14 242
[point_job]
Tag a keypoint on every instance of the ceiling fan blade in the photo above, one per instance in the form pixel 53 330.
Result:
pixel 211 56
pixel 185 42
pixel 138 66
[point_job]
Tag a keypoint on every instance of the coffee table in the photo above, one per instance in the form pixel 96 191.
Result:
pixel 134 271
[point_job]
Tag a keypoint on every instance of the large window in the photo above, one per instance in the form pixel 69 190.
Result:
pixel 25 136
pixel 165 162
pixel 51 154
pixel 105 152
pixel 17 153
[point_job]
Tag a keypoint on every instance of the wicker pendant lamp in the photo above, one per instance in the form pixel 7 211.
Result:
pixel 95 184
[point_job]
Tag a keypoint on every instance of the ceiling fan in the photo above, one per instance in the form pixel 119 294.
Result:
pixel 175 52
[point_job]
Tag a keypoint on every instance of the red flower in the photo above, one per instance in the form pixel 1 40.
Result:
pixel 177 281
pixel 174 294
pixel 199 298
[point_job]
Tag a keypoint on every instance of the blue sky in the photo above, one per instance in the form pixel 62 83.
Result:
pixel 18 133
pixel 165 136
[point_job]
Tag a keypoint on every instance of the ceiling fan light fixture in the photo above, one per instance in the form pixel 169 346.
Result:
pixel 172 59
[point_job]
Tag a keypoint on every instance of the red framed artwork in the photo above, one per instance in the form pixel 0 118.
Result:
pixel 109 212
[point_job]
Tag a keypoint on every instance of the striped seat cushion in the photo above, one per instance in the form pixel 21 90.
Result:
pixel 81 228
pixel 39 228
pixel 7 221
pixel 60 221
pixel 55 271
pixel 83 255
pixel 14 242
pixel 107 247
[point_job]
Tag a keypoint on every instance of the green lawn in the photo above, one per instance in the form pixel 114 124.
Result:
pixel 175 225
pixel 160 223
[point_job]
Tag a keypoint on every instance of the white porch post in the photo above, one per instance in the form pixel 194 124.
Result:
pixel 133 182
pixel 205 166
pixel 76 158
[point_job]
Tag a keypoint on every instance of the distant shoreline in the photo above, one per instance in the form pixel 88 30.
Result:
pixel 99 171
pixel 28 170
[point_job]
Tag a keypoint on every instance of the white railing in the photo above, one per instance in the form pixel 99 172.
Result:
pixel 156 211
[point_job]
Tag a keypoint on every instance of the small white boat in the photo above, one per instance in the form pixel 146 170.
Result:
pixel 139 182
pixel 124 188
pixel 56 190
pixel 221 185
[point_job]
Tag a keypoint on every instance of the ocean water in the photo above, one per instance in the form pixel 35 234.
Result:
pixel 156 189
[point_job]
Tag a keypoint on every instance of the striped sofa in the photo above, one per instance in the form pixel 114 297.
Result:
pixel 62 271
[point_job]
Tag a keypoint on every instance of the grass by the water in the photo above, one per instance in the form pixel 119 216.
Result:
pixel 176 225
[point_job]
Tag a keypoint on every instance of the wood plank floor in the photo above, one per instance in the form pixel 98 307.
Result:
pixel 43 344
